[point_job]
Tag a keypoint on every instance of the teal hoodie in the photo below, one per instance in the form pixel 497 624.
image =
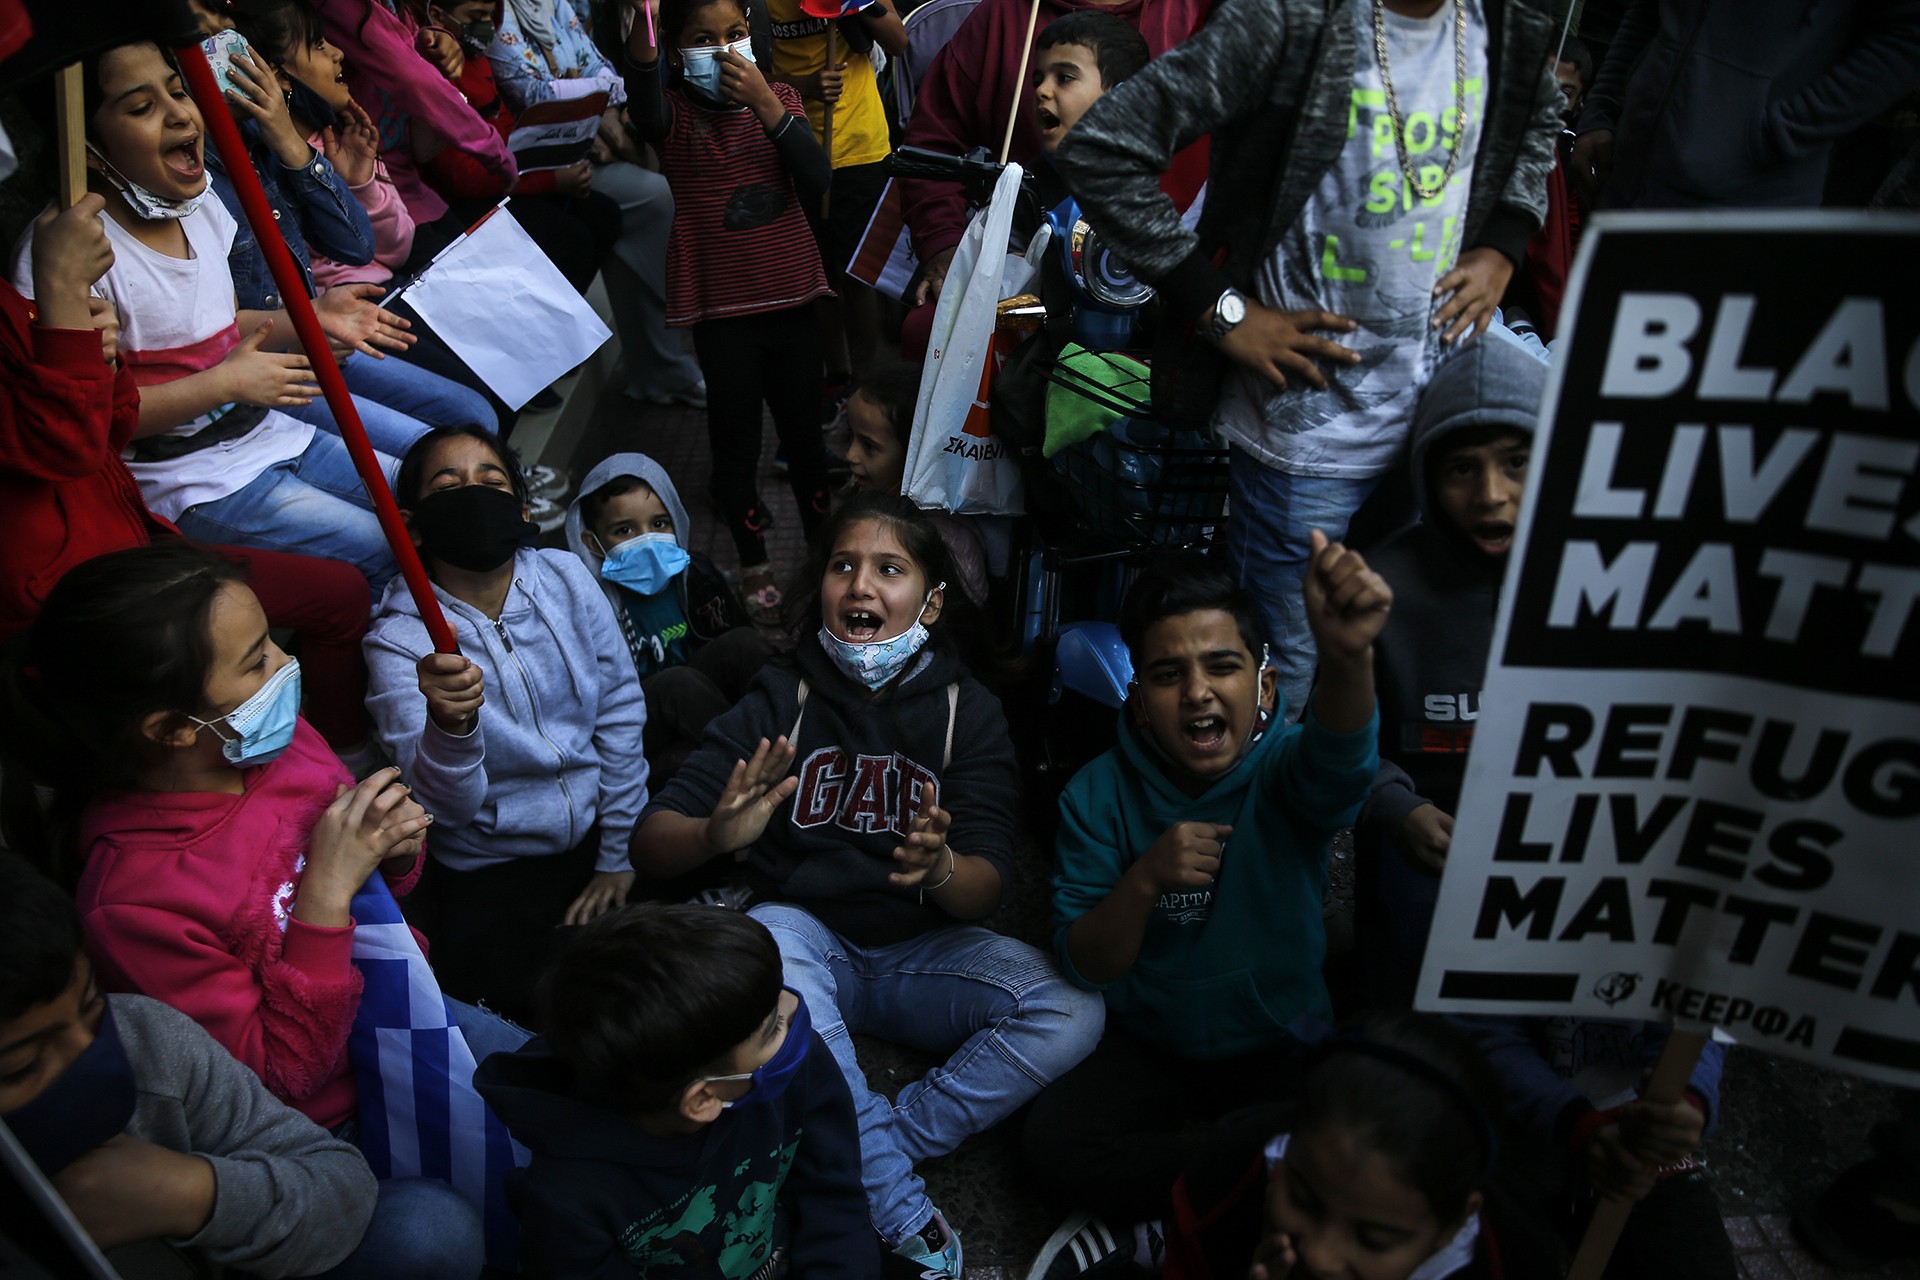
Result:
pixel 1224 970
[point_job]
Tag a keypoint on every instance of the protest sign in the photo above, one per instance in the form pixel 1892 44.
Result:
pixel 1696 763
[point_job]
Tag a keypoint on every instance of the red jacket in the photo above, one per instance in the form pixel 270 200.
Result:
pixel 457 174
pixel 65 495
pixel 964 99
pixel 188 897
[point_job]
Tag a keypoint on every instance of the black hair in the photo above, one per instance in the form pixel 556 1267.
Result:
pixel 39 938
pixel 894 389
pixel 1576 52
pixel 406 488
pixel 120 637
pixel 594 505
pixel 1415 1090
pixel 648 998
pixel 1181 582
pixel 675 14
pixel 1119 51
pixel 39 103
pixel 278 29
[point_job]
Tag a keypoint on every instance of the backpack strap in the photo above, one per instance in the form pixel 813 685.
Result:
pixel 793 734
pixel 953 708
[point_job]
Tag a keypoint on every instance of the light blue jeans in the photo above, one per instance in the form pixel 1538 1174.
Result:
pixel 310 505
pixel 398 403
pixel 1009 1023
pixel 1274 515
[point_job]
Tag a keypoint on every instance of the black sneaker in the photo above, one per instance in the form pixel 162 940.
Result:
pixel 1085 1245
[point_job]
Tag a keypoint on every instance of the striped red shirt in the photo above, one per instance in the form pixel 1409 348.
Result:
pixel 740 243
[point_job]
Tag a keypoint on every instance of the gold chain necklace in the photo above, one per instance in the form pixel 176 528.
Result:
pixel 1459 97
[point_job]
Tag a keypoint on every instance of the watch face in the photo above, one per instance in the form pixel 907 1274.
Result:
pixel 1231 309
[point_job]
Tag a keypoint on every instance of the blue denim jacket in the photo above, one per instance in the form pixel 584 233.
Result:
pixel 312 206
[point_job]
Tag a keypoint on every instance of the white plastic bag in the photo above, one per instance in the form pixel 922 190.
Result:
pixel 956 463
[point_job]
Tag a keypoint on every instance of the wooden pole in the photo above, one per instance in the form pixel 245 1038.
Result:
pixel 1020 81
pixel 1669 1083
pixel 71 128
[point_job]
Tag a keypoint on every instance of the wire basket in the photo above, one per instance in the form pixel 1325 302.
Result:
pixel 1140 481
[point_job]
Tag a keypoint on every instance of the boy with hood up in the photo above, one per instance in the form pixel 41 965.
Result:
pixel 692 643
pixel 1471 436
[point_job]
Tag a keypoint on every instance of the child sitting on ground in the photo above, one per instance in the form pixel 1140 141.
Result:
pixel 684 1117
pixel 149 1129
pixel 869 787
pixel 1192 868
pixel 691 642
pixel 536 796
pixel 1384 1173
pixel 1471 436
pixel 880 436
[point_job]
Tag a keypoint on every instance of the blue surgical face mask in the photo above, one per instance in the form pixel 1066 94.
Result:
pixel 701 67
pixel 263 724
pixel 646 564
pixel 771 1078
pixel 875 662
pixel 92 1101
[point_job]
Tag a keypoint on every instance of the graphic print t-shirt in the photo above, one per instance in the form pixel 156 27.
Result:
pixel 1368 246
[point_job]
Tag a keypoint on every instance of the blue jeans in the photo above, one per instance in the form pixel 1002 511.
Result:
pixel 422 1229
pixel 486 1031
pixel 399 402
pixel 312 505
pixel 1274 514
pixel 1008 1021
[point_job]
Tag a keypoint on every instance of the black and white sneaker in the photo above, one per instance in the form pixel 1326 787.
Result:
pixel 1085 1245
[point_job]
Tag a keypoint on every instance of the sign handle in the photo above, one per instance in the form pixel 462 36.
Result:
pixel 1669 1083
pixel 71 129
pixel 1020 81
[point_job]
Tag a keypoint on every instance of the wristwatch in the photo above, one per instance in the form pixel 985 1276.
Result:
pixel 1228 310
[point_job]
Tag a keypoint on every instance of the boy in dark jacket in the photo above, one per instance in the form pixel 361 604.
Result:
pixel 1192 867
pixel 691 641
pixel 684 1117
pixel 1472 434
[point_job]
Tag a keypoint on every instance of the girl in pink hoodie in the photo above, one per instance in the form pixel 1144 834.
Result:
pixel 221 839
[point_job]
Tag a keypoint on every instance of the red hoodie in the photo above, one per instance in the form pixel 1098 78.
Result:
pixel 65 495
pixel 188 897
pixel 964 99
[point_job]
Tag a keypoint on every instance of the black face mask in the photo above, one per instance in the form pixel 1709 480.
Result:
pixel 308 105
pixel 478 34
pixel 91 1102
pixel 474 527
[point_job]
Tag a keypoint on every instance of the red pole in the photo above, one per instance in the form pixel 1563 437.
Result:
pixel 293 287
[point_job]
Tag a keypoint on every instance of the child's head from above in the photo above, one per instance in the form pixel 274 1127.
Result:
pixel 1472 436
pixel 624 508
pixel 1080 57
pixel 49 1008
pixel 1201 687
pixel 880 420
pixel 1393 1135
pixel 143 130
pixel 143 654
pixel 701 24
pixel 657 1009
pixel 464 499
pixel 288 36
pixel 883 567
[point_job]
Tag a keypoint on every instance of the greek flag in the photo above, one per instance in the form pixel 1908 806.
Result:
pixel 419 1114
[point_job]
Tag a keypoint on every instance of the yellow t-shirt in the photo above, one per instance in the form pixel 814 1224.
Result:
pixel 859 119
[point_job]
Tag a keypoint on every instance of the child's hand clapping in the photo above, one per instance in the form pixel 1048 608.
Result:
pixel 1186 856
pixel 352 146
pixel 755 788
pixel 270 379
pixel 362 828
pixel 352 318
pixel 1347 603
pixel 925 852
pixel 455 689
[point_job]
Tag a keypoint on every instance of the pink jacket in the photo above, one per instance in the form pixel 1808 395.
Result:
pixel 392 234
pixel 418 110
pixel 187 897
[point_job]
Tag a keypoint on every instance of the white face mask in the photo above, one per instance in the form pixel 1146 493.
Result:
pixel 144 202
pixel 874 662
pixel 701 67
